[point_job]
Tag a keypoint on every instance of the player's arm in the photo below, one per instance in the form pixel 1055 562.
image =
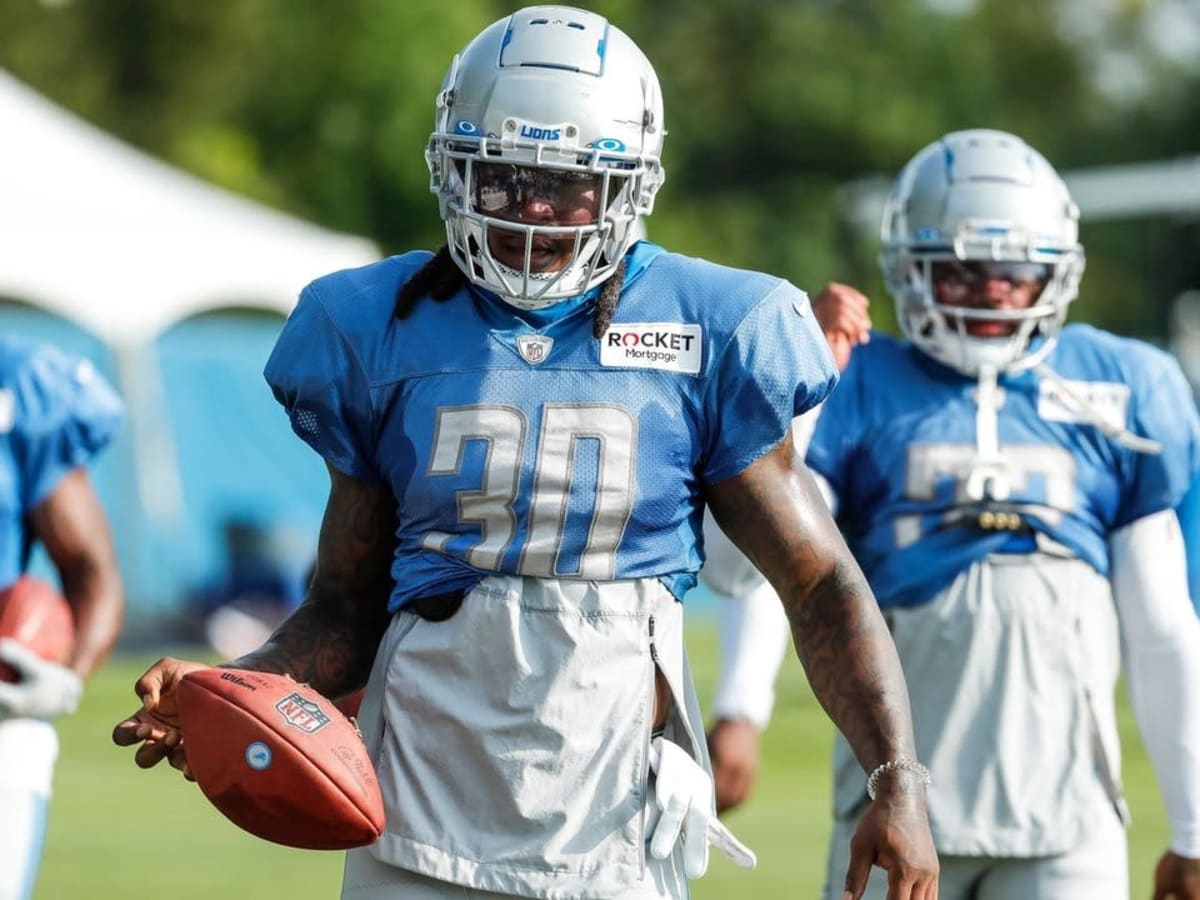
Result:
pixel 775 514
pixel 1161 641
pixel 752 627
pixel 330 640
pixel 753 636
pixel 71 525
pixel 751 654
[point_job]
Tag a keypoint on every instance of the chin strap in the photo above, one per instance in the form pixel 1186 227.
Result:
pixel 1113 430
pixel 990 477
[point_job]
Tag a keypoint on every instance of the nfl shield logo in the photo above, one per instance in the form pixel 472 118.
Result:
pixel 301 713
pixel 534 348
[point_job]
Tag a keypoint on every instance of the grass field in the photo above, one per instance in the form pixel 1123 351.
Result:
pixel 117 833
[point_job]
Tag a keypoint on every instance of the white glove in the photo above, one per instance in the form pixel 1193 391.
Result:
pixel 684 795
pixel 45 689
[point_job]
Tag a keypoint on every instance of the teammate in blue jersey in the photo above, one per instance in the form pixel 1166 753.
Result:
pixel 522 432
pixel 56 413
pixel 1009 486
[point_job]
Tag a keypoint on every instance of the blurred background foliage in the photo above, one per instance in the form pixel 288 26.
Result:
pixel 322 109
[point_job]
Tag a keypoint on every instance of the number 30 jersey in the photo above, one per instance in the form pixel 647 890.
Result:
pixel 527 446
pixel 897 443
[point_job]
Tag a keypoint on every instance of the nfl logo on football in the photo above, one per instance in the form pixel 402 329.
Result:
pixel 302 714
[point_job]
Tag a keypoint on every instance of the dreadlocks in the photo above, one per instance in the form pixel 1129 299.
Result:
pixel 606 303
pixel 441 278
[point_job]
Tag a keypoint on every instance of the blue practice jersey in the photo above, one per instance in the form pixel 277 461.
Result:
pixel 56 413
pixel 1189 523
pixel 542 451
pixel 897 440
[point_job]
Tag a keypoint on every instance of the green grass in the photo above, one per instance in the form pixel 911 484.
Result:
pixel 118 833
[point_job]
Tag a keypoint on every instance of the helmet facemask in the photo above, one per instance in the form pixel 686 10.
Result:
pixel 617 181
pixel 983 199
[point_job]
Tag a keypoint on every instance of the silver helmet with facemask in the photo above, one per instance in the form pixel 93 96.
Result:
pixel 554 105
pixel 973 206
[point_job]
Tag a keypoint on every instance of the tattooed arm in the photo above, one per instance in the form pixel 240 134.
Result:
pixel 775 514
pixel 328 642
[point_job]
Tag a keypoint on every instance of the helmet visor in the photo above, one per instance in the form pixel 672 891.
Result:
pixel 958 278
pixel 534 195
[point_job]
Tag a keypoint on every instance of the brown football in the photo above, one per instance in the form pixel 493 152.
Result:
pixel 36 615
pixel 278 759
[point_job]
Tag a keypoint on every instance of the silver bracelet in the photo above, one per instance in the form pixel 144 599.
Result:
pixel 903 765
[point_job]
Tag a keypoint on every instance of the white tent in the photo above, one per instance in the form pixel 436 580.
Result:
pixel 1169 187
pixel 124 245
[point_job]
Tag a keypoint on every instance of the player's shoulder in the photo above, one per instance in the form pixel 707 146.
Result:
pixel 882 349
pixel 705 275
pixel 19 354
pixel 43 386
pixel 1087 352
pixel 349 318
pixel 34 368
pixel 16 355
pixel 364 293
pixel 711 292
pixel 884 356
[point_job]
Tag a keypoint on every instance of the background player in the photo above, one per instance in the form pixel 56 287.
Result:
pixel 522 431
pixel 56 413
pixel 1009 486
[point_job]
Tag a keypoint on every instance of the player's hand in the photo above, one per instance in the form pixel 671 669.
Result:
pixel 894 835
pixel 683 795
pixel 43 690
pixel 1176 878
pixel 842 312
pixel 733 747
pixel 156 724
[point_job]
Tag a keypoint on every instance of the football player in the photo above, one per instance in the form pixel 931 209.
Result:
pixel 1009 486
pixel 522 432
pixel 56 413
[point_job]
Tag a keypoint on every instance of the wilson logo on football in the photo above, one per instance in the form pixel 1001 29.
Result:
pixel 302 714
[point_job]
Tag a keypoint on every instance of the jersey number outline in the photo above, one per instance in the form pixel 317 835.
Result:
pixel 491 506
pixel 928 465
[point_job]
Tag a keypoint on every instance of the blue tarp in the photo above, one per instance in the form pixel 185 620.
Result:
pixel 236 459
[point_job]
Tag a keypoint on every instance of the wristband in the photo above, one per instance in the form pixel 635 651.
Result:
pixel 902 765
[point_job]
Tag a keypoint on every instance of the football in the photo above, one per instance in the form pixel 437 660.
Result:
pixel 36 615
pixel 278 759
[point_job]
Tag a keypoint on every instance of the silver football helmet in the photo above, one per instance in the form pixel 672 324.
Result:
pixel 982 198
pixel 552 96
